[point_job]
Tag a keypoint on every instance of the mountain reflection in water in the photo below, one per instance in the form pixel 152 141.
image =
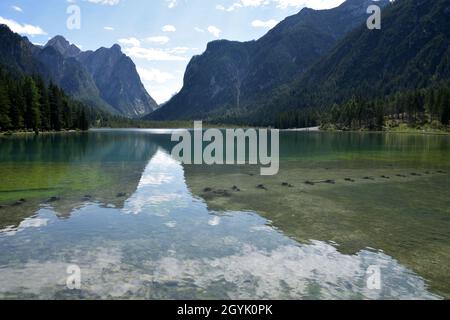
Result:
pixel 165 243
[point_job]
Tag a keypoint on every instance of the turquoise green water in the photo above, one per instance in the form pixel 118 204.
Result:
pixel 142 226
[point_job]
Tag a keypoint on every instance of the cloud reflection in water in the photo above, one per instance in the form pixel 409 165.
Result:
pixel 166 244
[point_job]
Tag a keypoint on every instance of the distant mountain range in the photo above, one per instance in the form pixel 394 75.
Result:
pixel 105 78
pixel 315 59
pixel 410 51
pixel 230 74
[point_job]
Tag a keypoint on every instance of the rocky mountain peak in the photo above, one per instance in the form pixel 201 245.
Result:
pixel 105 78
pixel 116 47
pixel 63 46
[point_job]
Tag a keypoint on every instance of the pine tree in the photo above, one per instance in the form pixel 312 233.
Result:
pixel 83 120
pixel 26 103
pixel 55 108
pixel 66 115
pixel 17 109
pixel 5 105
pixel 44 104
pixel 32 114
pixel 444 106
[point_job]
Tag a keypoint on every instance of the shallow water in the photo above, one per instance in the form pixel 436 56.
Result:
pixel 142 226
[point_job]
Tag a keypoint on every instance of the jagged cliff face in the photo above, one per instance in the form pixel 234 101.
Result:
pixel 63 46
pixel 114 77
pixel 17 53
pixel 118 81
pixel 69 74
pixel 212 80
pixel 230 73
pixel 106 78
pixel 411 51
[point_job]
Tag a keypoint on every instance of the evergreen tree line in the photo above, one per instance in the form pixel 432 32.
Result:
pixel 413 107
pixel 304 118
pixel 28 103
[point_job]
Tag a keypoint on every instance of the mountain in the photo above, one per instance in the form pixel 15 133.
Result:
pixel 69 74
pixel 17 53
pixel 105 78
pixel 114 75
pixel 63 46
pixel 229 74
pixel 118 81
pixel 410 52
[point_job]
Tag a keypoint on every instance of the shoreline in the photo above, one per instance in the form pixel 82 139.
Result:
pixel 308 129
pixel 29 133
pixel 415 132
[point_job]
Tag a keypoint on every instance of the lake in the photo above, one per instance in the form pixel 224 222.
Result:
pixel 140 225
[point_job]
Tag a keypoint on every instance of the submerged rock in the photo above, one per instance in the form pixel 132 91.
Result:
pixel 210 192
pixel 286 184
pixel 261 186
pixel 222 193
pixel 53 199
pixel 20 202
pixel 349 180
pixel 329 181
pixel 309 183
pixel 235 188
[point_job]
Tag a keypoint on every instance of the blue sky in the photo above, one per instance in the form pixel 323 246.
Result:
pixel 159 35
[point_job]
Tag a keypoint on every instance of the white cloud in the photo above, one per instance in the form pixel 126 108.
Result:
pixel 108 28
pixel 154 75
pixel 17 8
pixel 214 31
pixel 281 4
pixel 22 28
pixel 152 54
pixel 158 40
pixel 162 93
pixel 179 50
pixel 314 4
pixel 242 4
pixel 159 84
pixel 199 29
pixel 264 24
pixel 169 28
pixel 130 42
pixel 105 2
pixel 134 49
pixel 171 3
